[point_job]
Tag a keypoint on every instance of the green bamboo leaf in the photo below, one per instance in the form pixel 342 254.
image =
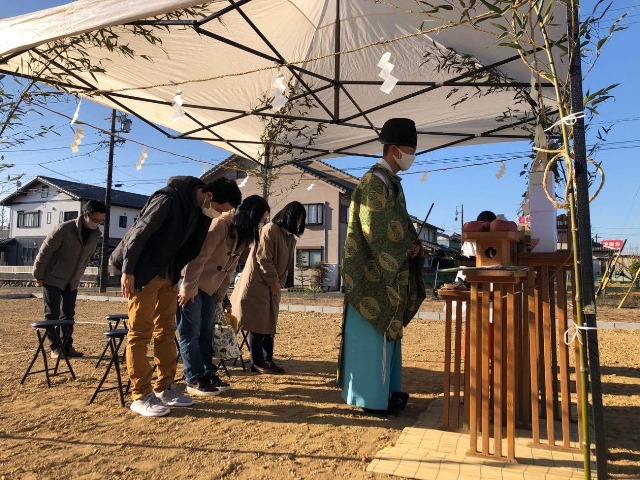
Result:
pixel 492 7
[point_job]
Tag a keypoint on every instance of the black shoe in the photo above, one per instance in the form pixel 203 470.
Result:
pixel 264 369
pixel 395 405
pixel 404 397
pixel 276 368
pixel 73 353
pixel 373 411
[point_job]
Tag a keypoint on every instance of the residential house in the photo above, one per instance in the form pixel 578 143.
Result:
pixel 453 241
pixel 37 206
pixel 325 191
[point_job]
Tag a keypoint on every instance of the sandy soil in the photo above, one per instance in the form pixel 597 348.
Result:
pixel 288 426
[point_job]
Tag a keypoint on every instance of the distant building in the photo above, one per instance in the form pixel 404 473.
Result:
pixel 325 191
pixel 39 205
pixel 453 241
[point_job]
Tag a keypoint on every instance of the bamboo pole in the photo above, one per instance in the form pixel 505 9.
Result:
pixel 583 397
pixel 635 278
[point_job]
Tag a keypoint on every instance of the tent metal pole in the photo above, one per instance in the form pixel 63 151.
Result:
pixel 266 166
pixel 584 237
pixel 336 64
pixel 445 83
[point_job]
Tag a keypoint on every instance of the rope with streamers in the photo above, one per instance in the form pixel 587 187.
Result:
pixel 568 120
pixel 572 333
pixel 557 155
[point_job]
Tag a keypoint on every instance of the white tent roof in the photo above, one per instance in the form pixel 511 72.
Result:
pixel 226 58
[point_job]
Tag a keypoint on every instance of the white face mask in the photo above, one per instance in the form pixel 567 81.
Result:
pixel 405 161
pixel 90 224
pixel 210 211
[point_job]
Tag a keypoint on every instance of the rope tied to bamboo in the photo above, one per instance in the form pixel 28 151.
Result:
pixel 557 155
pixel 573 331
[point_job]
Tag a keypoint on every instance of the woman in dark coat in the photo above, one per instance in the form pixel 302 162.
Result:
pixel 256 299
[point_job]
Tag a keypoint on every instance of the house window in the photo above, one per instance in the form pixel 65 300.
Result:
pixel 44 191
pixel 315 213
pixel 241 174
pixel 122 222
pixel 344 213
pixel 28 219
pixel 65 216
pixel 48 217
pixel 308 257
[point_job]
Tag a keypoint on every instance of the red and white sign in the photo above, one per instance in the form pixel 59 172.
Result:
pixel 616 244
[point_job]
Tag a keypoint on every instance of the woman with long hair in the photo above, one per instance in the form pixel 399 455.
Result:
pixel 205 283
pixel 256 300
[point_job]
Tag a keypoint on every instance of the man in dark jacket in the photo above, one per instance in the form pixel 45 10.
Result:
pixel 168 234
pixel 60 263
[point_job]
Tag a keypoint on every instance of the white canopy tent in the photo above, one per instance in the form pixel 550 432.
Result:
pixel 225 58
pixel 458 83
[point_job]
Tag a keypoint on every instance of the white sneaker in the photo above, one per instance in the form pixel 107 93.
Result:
pixel 150 406
pixel 173 397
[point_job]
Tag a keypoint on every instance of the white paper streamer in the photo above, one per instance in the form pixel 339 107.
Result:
pixel 178 112
pixel 389 80
pixel 77 139
pixel 311 186
pixel 424 176
pixel 143 157
pixel 76 113
pixel 503 168
pixel 279 99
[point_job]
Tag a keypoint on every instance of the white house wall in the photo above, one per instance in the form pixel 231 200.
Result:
pixel 50 209
pixel 115 231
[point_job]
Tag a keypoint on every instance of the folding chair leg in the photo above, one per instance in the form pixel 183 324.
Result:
pixel 224 366
pixel 102 355
pixel 40 349
pixel 114 361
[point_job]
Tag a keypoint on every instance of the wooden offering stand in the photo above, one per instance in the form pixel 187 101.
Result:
pixel 493 365
pixel 516 368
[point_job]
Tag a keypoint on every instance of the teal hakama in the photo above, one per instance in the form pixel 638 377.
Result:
pixel 367 382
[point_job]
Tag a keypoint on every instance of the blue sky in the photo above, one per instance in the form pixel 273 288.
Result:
pixel 614 213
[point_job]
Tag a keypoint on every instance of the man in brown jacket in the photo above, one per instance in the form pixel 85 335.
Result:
pixel 60 263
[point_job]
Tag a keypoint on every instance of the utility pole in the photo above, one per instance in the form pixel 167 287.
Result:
pixel 461 213
pixel 125 126
pixel 584 238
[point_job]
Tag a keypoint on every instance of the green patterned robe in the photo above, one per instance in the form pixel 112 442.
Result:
pixel 381 281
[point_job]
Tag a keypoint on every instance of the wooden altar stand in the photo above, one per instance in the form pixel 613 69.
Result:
pixel 515 369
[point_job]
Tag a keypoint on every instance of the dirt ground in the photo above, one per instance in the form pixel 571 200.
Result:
pixel 288 426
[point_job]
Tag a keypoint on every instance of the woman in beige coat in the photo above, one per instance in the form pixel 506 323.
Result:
pixel 204 284
pixel 256 299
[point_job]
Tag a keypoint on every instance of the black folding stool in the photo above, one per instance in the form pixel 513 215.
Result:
pixel 115 338
pixel 113 319
pixel 41 330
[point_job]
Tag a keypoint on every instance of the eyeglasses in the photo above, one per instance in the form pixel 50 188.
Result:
pixel 99 222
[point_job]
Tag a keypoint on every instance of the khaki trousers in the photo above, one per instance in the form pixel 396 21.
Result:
pixel 152 312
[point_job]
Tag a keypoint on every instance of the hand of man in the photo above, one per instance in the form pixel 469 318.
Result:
pixel 415 250
pixel 39 282
pixel 275 289
pixel 127 284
